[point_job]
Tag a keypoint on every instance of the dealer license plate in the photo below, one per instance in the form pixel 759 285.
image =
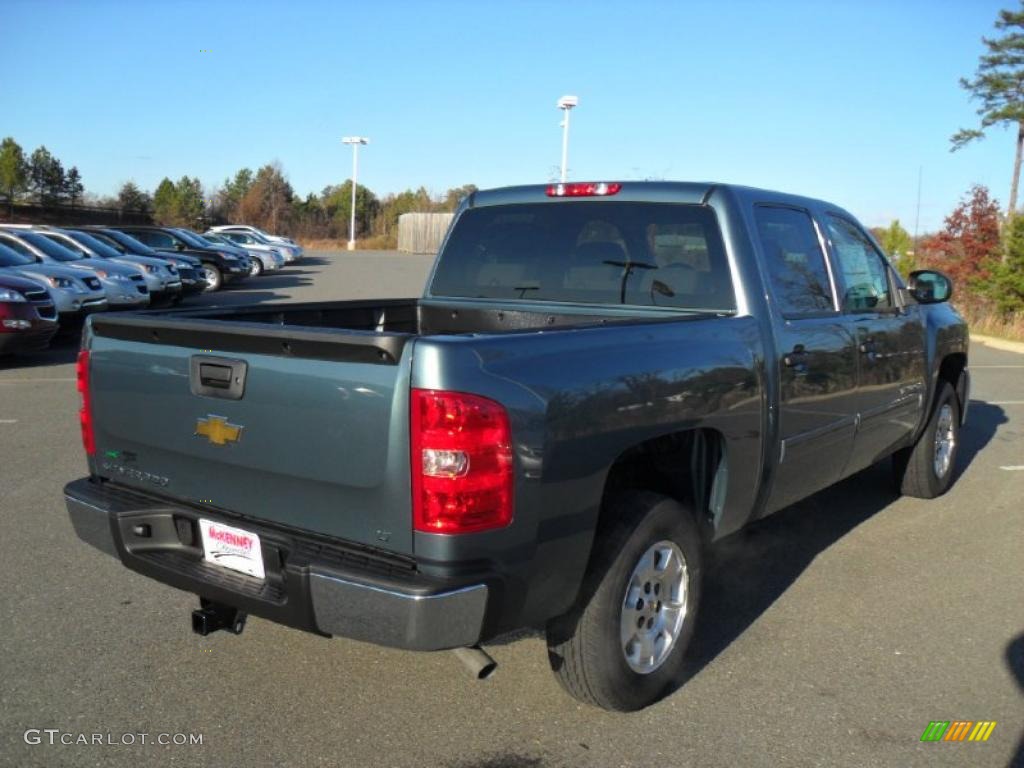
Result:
pixel 232 548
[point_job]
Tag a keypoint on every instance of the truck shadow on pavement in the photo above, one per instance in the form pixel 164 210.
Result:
pixel 748 571
pixel 1015 661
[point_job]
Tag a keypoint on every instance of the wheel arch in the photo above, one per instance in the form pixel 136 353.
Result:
pixel 690 466
pixel 953 369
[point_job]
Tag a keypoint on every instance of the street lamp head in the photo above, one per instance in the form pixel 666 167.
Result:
pixel 568 102
pixel 355 140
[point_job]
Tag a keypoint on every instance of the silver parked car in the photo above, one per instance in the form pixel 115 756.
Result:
pixel 265 258
pixel 160 275
pixel 74 293
pixel 124 284
pixel 290 249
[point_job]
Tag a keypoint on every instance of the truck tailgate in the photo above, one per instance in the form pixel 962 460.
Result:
pixel 317 444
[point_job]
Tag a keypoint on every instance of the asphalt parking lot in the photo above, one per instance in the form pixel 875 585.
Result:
pixel 832 632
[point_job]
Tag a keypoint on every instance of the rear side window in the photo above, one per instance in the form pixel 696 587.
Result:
pixel 794 261
pixel 11 257
pixel 638 254
pixel 50 248
pixel 864 272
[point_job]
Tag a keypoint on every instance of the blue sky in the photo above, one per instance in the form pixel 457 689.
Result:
pixel 842 99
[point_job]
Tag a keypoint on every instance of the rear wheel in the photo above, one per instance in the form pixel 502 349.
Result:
pixel 257 268
pixel 622 646
pixel 214 278
pixel 926 469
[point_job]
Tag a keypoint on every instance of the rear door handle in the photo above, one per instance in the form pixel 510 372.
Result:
pixel 797 359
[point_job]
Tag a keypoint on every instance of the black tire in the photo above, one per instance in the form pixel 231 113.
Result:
pixel 586 646
pixel 257 268
pixel 214 277
pixel 915 469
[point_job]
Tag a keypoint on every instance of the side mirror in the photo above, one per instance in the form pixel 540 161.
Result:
pixel 929 286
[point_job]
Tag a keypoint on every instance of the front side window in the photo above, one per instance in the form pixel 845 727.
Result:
pixel 794 260
pixel 864 273
pixel 192 239
pixel 154 238
pixel 638 254
pixel 132 243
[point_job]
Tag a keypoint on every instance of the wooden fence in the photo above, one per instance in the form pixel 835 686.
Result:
pixel 422 232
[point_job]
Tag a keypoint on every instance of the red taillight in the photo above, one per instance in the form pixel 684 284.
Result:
pixel 461 462
pixel 584 189
pixel 85 412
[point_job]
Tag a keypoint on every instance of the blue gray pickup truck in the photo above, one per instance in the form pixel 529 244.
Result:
pixel 599 381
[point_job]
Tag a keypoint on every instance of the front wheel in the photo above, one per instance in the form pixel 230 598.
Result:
pixel 622 646
pixel 926 469
pixel 256 269
pixel 214 278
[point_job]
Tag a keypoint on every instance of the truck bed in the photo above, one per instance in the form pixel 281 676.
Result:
pixel 354 331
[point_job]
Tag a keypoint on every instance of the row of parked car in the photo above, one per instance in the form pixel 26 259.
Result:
pixel 53 277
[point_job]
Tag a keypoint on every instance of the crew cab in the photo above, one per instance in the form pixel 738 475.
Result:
pixel 600 381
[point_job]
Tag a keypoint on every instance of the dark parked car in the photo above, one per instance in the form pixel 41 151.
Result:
pixel 219 266
pixel 28 317
pixel 600 380
pixel 198 241
pixel 189 268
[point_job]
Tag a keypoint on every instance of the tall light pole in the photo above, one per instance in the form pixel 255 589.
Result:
pixel 355 141
pixel 566 103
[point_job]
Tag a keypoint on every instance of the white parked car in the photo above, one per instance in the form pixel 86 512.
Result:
pixel 292 250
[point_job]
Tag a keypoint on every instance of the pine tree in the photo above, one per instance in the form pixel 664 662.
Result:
pixel 998 85
pixel 165 204
pixel 131 198
pixel 73 186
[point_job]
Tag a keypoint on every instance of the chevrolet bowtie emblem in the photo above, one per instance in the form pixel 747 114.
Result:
pixel 217 430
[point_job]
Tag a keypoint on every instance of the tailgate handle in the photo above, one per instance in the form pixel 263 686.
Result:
pixel 213 375
pixel 217 377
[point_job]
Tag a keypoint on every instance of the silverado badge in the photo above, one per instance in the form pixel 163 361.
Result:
pixel 217 430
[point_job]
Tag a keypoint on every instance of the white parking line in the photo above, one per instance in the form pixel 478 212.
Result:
pixel 1017 468
pixel 8 421
pixel 31 381
pixel 996 366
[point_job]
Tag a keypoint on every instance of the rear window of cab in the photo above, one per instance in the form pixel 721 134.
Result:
pixel 623 253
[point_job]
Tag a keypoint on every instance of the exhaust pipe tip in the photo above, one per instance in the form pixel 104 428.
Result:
pixel 477 661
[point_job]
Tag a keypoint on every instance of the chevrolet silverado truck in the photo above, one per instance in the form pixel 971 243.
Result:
pixel 600 380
